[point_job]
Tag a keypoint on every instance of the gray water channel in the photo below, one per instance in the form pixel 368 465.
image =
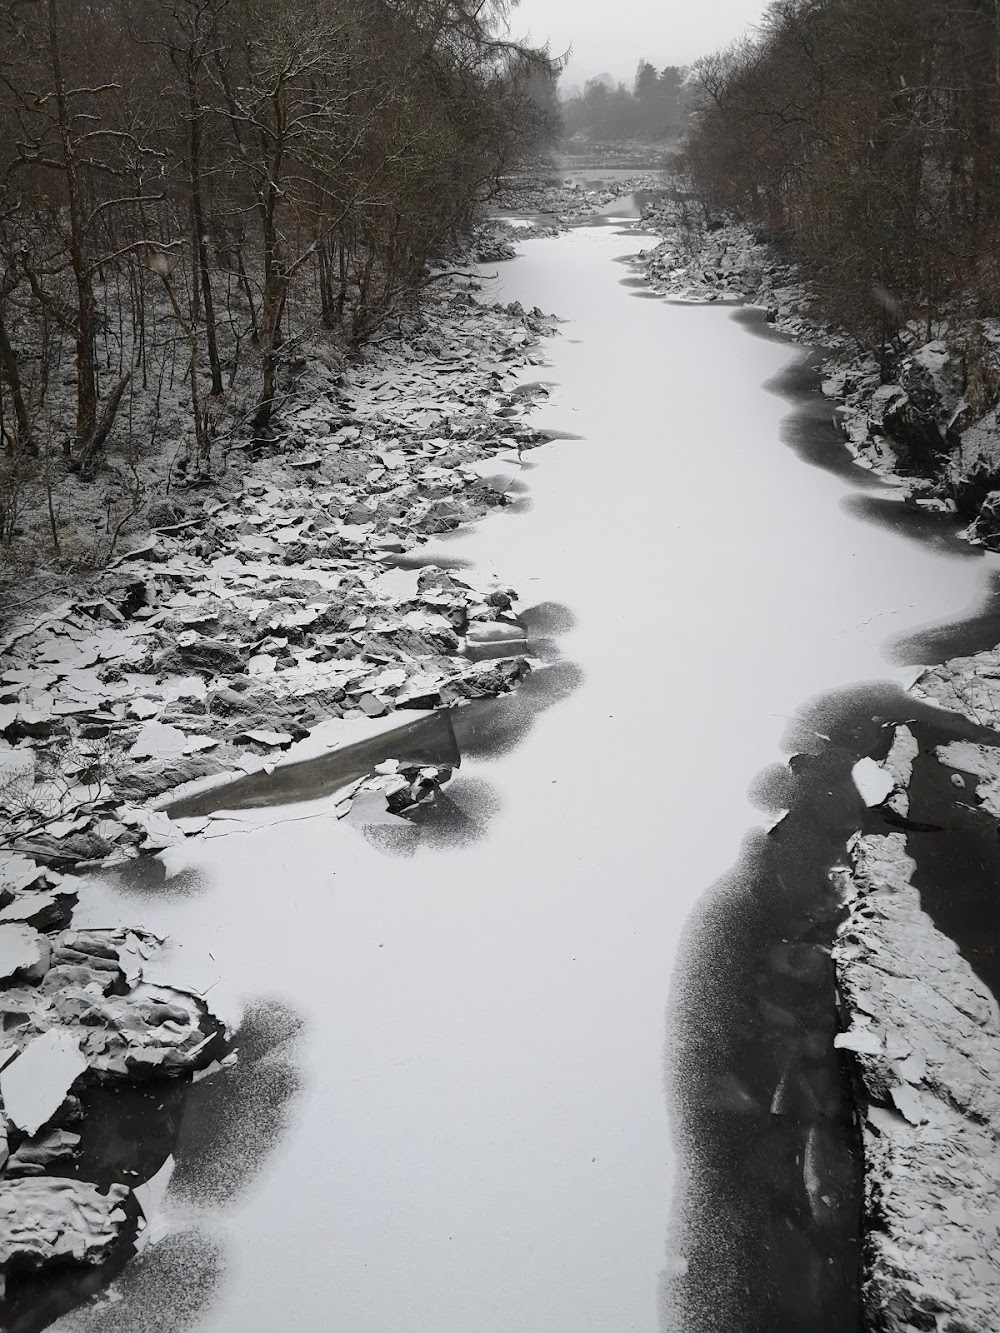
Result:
pixel 457 1104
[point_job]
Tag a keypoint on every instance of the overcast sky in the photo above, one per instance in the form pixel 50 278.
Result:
pixel 612 35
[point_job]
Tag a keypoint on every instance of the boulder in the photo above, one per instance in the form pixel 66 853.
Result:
pixel 40 908
pixel 985 527
pixel 227 703
pixel 158 777
pixel 210 655
pixel 980 443
pixel 920 414
pixel 909 421
pixel 975 468
pixel 125 592
pixel 163 514
pixel 62 853
pixel 45 1221
pixel 38 1080
pixel 35 1154
pixel 432 576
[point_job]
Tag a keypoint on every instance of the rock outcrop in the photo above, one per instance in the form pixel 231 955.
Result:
pixel 924 1037
pixel 924 409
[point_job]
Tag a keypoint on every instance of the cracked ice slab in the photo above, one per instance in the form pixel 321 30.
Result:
pixel 874 784
pixel 21 949
pixel 36 1084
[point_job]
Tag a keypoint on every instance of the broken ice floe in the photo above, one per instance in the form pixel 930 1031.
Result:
pixel 150 1196
pixel 887 783
pixel 873 782
pixel 37 1081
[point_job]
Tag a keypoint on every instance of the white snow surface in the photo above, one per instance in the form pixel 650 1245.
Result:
pixel 873 782
pixel 481 1140
pixel 37 1082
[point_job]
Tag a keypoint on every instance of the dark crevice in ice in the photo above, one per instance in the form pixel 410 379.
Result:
pixel 425 740
pixel 167 1289
pixel 483 729
pixel 958 638
pixel 148 877
pixel 551 434
pixel 424 556
pixel 234 1120
pixel 939 531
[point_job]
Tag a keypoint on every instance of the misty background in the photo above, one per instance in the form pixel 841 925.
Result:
pixel 601 43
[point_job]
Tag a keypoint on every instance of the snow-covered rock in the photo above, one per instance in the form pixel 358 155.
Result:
pixel 47 1221
pixel 925 1039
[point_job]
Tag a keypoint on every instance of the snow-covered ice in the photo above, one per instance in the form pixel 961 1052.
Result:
pixel 481 1139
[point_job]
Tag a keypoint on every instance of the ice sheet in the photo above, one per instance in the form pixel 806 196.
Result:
pixel 481 1140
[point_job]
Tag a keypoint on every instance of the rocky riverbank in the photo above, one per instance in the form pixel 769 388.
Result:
pixel 922 411
pixel 920 1025
pixel 279 612
pixel 582 153
pixel 923 1033
pixel 548 203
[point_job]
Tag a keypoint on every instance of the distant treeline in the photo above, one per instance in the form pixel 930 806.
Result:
pixel 866 134
pixel 188 186
pixel 654 108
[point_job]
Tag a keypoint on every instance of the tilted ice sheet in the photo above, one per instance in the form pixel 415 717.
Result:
pixel 481 1140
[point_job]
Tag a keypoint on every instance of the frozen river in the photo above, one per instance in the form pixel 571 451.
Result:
pixel 457 1121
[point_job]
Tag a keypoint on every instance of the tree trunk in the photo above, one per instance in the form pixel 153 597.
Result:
pixel 342 293
pixel 244 282
pixel 90 448
pixel 201 240
pixel 86 317
pixel 8 362
pixel 271 308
